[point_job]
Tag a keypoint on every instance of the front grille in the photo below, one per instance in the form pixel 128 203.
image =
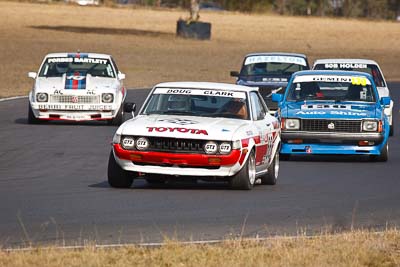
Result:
pixel 81 99
pixel 176 145
pixel 343 126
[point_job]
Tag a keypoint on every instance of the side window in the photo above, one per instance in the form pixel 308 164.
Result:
pixel 115 66
pixel 257 106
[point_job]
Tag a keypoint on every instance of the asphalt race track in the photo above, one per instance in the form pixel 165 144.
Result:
pixel 54 190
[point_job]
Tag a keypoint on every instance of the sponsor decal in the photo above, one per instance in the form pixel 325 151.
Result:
pixel 345 66
pixel 206 92
pixel 58 92
pixel 75 80
pixel 179 121
pixel 75 107
pixel 176 129
pixel 249 133
pixel 77 60
pixel 277 59
pixel 276 80
pixel 333 78
pixel 331 126
pixel 334 112
pixel 225 130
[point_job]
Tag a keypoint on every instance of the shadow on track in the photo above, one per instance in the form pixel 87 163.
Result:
pixel 102 30
pixel 184 185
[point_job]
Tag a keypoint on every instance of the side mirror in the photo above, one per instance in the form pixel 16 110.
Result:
pixel 130 108
pixel 385 101
pixel 234 73
pixel 121 76
pixel 32 74
pixel 277 97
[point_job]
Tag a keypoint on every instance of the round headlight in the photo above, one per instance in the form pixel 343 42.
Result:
pixel 128 142
pixel 225 148
pixel 41 97
pixel 142 143
pixel 107 98
pixel 211 147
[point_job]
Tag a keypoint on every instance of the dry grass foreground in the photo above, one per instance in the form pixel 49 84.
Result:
pixel 347 249
pixel 144 45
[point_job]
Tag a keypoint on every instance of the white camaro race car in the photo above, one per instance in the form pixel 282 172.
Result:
pixel 207 131
pixel 77 87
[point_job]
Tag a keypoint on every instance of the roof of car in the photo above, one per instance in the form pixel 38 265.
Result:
pixel 332 72
pixel 207 85
pixel 75 54
pixel 345 60
pixel 276 54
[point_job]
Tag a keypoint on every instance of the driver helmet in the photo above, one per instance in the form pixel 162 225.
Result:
pixel 177 102
pixel 62 67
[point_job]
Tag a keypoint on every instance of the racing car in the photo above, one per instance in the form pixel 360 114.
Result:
pixel 333 112
pixel 363 65
pixel 270 72
pixel 77 87
pixel 194 130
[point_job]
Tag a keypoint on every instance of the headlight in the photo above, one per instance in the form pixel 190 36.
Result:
pixel 211 147
pixel 128 142
pixel 236 144
pixel 142 143
pixel 225 148
pixel 116 139
pixel 370 126
pixel 42 97
pixel 292 124
pixel 107 98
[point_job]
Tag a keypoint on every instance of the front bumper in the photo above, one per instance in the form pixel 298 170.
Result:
pixel 331 143
pixel 372 137
pixel 74 112
pixel 179 164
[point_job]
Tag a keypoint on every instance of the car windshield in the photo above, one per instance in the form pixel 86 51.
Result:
pixel 331 88
pixel 57 67
pixel 198 102
pixel 272 66
pixel 367 68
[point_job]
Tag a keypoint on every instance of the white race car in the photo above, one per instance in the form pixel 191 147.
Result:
pixel 198 130
pixel 362 65
pixel 77 87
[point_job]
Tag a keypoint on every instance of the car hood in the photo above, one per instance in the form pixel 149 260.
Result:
pixel 328 110
pixel 59 83
pixel 190 127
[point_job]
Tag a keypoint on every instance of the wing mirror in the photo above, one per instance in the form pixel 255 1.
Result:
pixel 130 108
pixel 32 74
pixel 234 73
pixel 385 101
pixel 277 97
pixel 121 76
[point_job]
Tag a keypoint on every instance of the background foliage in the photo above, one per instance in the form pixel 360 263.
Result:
pixel 374 9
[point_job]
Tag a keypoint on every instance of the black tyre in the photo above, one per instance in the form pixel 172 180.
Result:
pixel 118 177
pixel 119 118
pixel 284 157
pixel 246 177
pixel 271 176
pixel 384 156
pixel 31 117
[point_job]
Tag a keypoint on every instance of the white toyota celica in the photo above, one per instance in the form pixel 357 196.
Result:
pixel 77 87
pixel 207 131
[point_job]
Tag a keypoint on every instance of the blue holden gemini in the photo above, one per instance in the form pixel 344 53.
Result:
pixel 333 112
